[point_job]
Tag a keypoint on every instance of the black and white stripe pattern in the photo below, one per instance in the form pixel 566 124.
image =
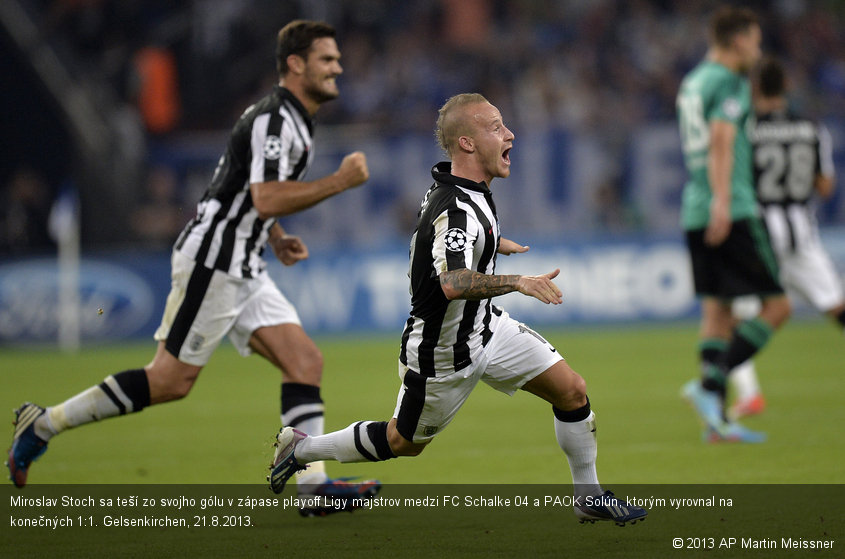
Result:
pixel 371 440
pixel 128 392
pixel 302 408
pixel 270 142
pixel 789 153
pixel 457 228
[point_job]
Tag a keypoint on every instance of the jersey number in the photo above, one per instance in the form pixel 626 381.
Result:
pixel 695 136
pixel 785 171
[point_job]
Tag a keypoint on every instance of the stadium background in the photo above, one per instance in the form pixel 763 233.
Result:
pixel 125 107
pixel 114 113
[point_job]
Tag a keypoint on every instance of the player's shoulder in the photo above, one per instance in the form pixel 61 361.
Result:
pixel 266 104
pixel 709 78
pixel 440 196
pixel 784 126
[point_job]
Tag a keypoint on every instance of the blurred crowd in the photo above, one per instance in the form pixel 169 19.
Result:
pixel 591 65
pixel 594 67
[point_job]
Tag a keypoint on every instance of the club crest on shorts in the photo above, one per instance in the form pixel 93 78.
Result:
pixel 196 342
pixel 456 240
pixel 272 147
pixel 429 430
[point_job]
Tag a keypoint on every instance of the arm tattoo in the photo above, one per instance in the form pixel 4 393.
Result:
pixel 475 286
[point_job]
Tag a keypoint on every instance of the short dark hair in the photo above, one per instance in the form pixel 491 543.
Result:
pixel 728 22
pixel 772 78
pixel 296 38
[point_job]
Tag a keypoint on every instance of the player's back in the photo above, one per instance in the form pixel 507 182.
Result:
pixel 788 155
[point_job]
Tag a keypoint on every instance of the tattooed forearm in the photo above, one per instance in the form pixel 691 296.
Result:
pixel 467 284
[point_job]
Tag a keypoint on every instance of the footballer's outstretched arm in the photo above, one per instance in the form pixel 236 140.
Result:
pixel 280 198
pixel 472 285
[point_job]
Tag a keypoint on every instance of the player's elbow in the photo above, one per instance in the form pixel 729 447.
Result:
pixel 449 290
pixel 264 202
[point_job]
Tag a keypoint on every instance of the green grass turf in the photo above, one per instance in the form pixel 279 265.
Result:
pixel 222 434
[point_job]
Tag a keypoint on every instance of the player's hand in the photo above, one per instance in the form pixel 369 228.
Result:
pixel 353 169
pixel 719 226
pixel 541 287
pixel 507 247
pixel 289 249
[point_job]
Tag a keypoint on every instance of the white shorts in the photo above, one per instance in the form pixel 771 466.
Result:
pixel 805 269
pixel 514 355
pixel 810 273
pixel 204 305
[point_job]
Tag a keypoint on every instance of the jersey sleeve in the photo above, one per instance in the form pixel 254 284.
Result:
pixel 726 103
pixel 453 243
pixel 270 144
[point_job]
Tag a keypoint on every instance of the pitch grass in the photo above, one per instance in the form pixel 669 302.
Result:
pixel 222 434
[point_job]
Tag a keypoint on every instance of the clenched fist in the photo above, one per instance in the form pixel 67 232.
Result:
pixel 353 169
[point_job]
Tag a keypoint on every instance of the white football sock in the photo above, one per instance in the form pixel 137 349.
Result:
pixel 743 378
pixel 311 426
pixel 578 442
pixel 339 445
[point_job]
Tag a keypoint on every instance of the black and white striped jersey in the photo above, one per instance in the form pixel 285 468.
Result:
pixel 270 142
pixel 457 228
pixel 789 152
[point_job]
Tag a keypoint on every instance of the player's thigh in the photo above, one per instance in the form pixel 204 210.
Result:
pixel 426 405
pixel 749 265
pixel 516 354
pixel 269 325
pixel 810 272
pixel 560 386
pixel 744 264
pixel 290 349
pixel 201 308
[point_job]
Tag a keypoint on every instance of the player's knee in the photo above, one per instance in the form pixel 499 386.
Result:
pixel 577 392
pixel 573 394
pixel 315 364
pixel 777 310
pixel 308 368
pixel 181 388
pixel 407 448
pixel 166 386
pixel 402 446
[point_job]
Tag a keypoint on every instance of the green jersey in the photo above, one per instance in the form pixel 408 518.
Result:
pixel 714 92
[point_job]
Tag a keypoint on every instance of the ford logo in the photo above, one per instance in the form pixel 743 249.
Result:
pixel 29 301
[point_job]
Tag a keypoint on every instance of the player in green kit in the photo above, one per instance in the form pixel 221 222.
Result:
pixel 728 243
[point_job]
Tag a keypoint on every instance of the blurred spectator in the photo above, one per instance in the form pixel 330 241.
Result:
pixel 24 213
pixel 158 89
pixel 160 216
pixel 594 62
pixel 596 69
pixel 611 213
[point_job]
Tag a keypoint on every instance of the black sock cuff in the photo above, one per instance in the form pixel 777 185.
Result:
pixel 296 394
pixel 135 386
pixel 377 432
pixel 573 416
pixel 841 318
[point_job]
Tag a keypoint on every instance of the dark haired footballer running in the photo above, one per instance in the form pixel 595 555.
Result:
pixel 219 283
